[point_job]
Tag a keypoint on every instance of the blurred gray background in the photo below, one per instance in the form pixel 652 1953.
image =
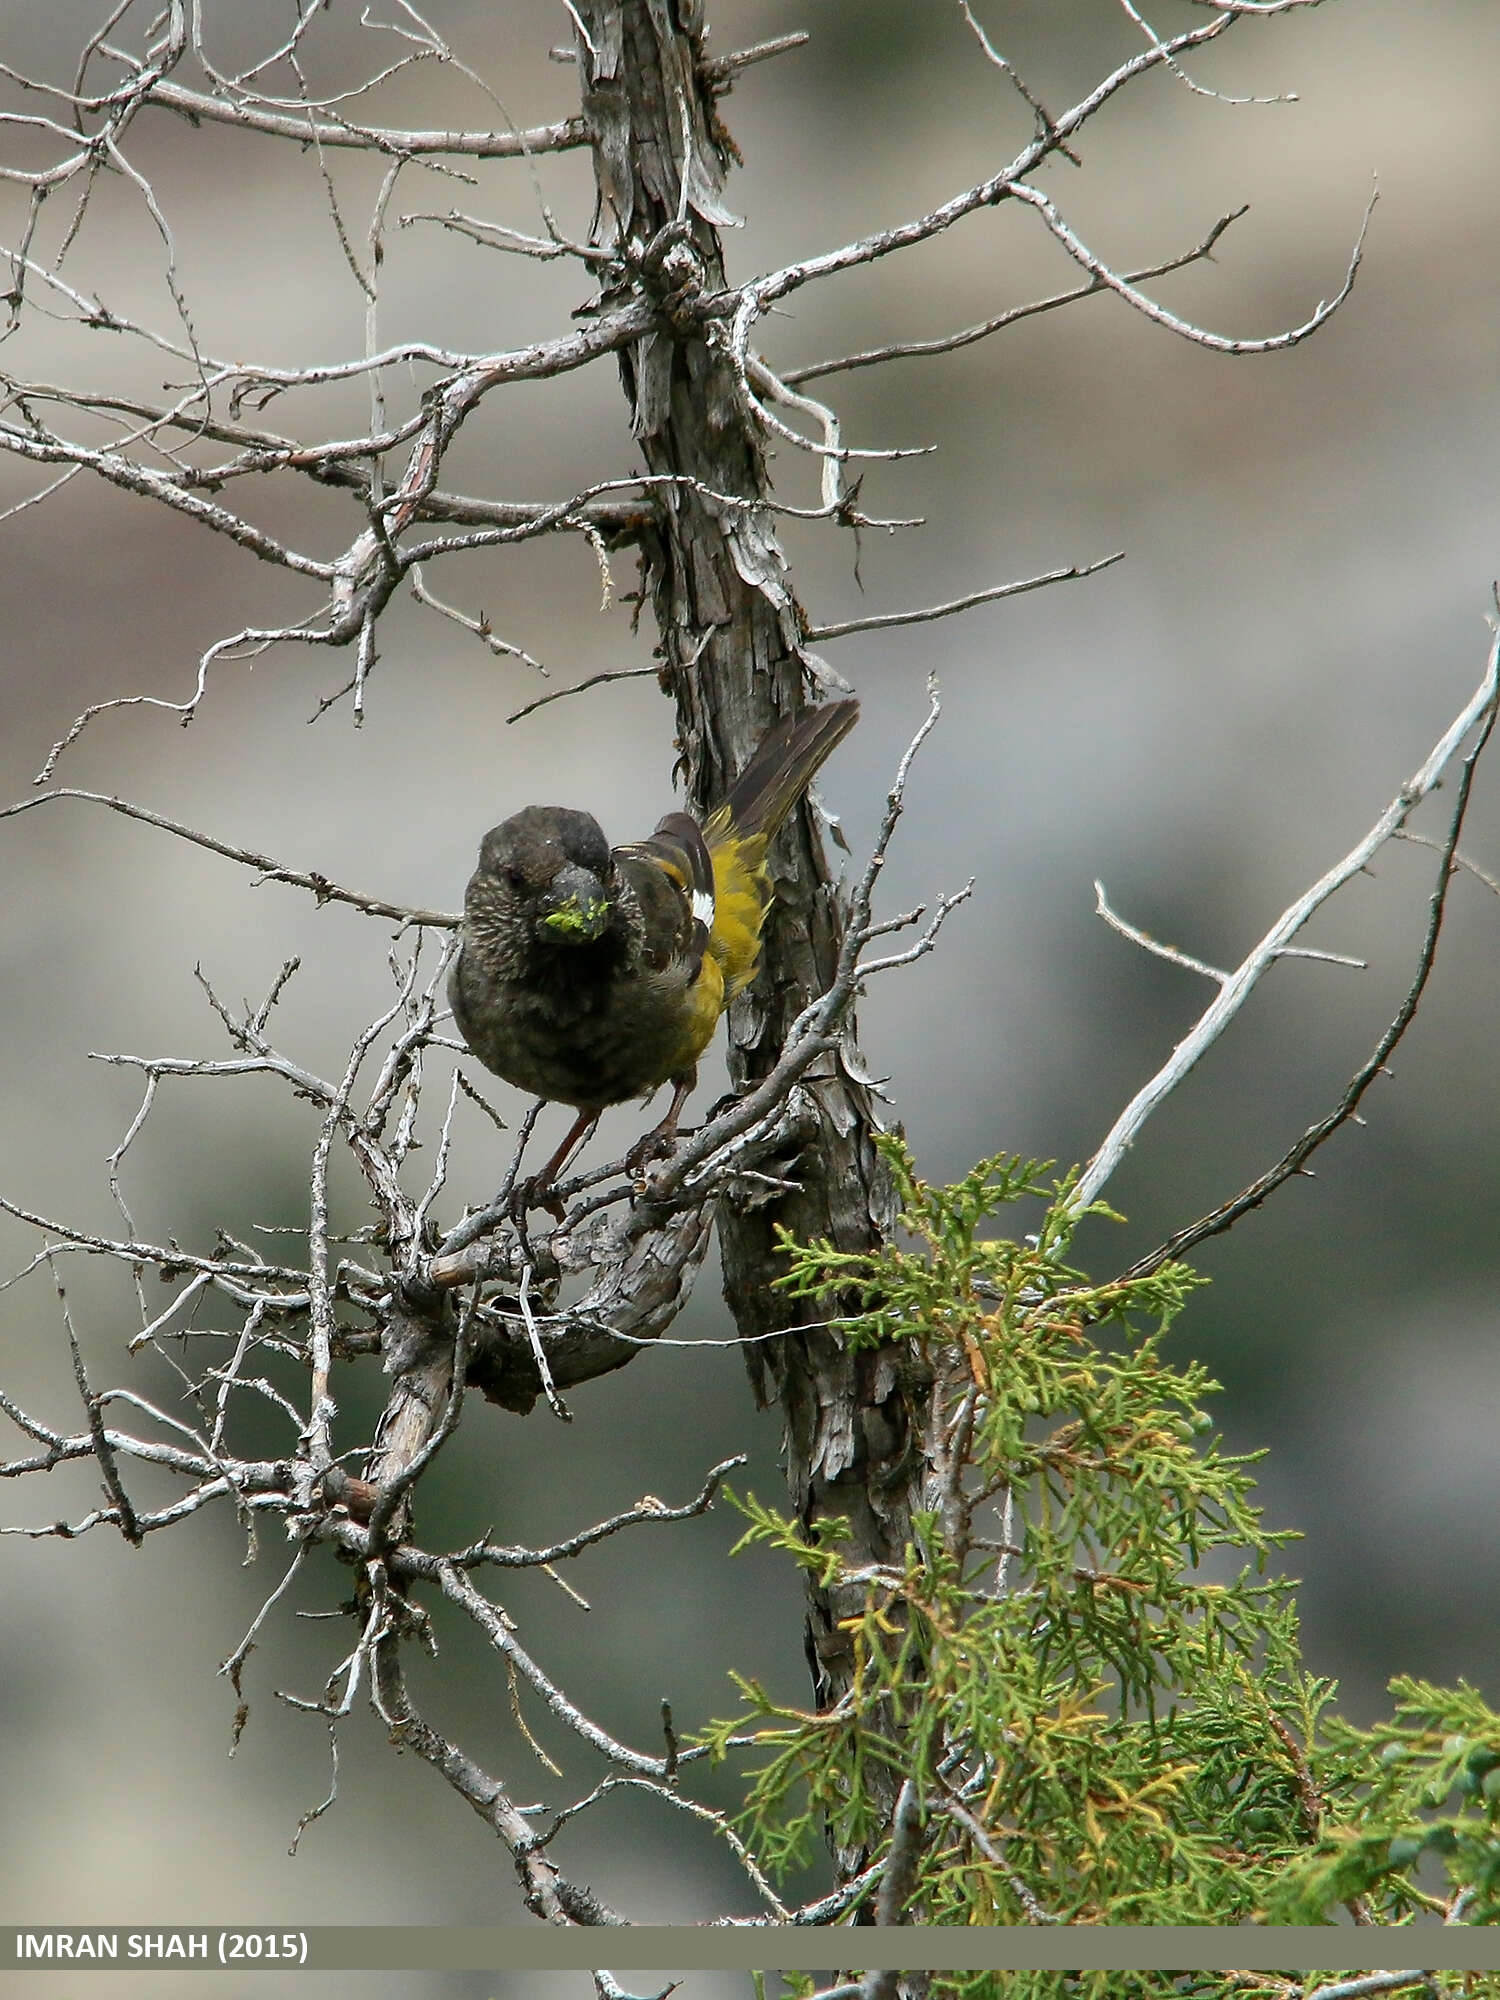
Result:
pixel 1311 540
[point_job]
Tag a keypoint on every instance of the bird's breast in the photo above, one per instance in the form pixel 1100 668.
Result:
pixel 587 1035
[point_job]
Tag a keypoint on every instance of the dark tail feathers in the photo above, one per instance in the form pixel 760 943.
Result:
pixel 784 765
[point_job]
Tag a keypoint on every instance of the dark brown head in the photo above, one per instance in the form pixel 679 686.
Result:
pixel 544 885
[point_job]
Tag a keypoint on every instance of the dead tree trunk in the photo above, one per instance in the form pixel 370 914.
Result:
pixel 732 656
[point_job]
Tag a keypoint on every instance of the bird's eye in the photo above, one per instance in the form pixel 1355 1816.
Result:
pixel 515 877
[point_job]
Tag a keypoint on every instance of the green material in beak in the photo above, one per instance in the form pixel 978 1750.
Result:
pixel 577 921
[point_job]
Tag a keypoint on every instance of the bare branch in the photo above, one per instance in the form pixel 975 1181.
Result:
pixel 776 285
pixel 885 620
pixel 139 479
pixel 172 1259
pixel 581 687
pixel 1188 963
pixel 977 1832
pixel 1294 1161
pixel 1272 343
pixel 1459 860
pixel 1154 945
pixel 950 343
pixel 1182 77
pixel 267 869
pixel 98 1436
pixel 480 626
pixel 647 1510
pixel 493 1623
pixel 200 107
pixel 547 1892
pixel 1237 988
pixel 1366 1984
pixel 704 1814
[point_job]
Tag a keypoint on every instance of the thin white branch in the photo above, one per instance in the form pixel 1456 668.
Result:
pixel 776 285
pixel 883 621
pixel 189 1292
pixel 495 1626
pixel 140 479
pixel 949 343
pixel 266 868
pixel 497 236
pixel 1462 860
pixel 137 1252
pixel 1219 343
pixel 197 105
pixel 1188 963
pixel 1236 989
pixel 480 626
pixel 1366 1985
pixel 680 1803
pixel 1148 943
pixel 750 369
pixel 1199 89
pixel 231 1666
pixel 228 1377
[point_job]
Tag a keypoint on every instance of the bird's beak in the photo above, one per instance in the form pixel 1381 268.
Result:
pixel 577 910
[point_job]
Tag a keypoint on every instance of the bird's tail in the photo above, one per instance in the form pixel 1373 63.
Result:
pixel 784 764
pixel 738 831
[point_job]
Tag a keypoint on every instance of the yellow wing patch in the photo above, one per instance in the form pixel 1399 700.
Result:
pixel 741 891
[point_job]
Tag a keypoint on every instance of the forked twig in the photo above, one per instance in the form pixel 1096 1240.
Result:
pixel 1236 989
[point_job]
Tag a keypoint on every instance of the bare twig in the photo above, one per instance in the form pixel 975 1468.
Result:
pixel 581 687
pixel 1459 860
pixel 653 1511
pixel 883 621
pixel 495 1626
pixel 1271 343
pixel 1154 945
pixel 130 1527
pixel 480 626
pixel 949 343
pixel 267 869
pixel 1237 988
pixel 977 1832
pixel 1366 1985
pixel 547 1892
pixel 1188 963
pixel 201 107
pixel 755 298
pixel 1294 1161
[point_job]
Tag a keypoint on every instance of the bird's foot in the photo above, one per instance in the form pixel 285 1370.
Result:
pixel 536 1191
pixel 653 1145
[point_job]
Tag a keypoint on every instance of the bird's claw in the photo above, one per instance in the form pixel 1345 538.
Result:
pixel 653 1145
pixel 537 1191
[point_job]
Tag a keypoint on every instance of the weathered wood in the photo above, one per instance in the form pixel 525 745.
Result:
pixel 732 655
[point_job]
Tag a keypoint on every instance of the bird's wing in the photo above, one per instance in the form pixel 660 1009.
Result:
pixel 678 852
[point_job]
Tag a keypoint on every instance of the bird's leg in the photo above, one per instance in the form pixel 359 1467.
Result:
pixel 659 1138
pixel 532 1193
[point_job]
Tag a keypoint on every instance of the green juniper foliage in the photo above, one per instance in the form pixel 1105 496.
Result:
pixel 1081 1667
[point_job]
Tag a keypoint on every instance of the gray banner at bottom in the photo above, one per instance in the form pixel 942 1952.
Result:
pixel 455 1948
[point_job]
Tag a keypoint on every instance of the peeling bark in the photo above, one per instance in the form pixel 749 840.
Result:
pixel 732 656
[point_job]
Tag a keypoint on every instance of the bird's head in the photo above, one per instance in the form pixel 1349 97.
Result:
pixel 544 880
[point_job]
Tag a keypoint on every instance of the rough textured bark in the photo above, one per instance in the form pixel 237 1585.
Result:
pixel 730 644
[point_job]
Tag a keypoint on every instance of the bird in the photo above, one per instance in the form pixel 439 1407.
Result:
pixel 589 975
